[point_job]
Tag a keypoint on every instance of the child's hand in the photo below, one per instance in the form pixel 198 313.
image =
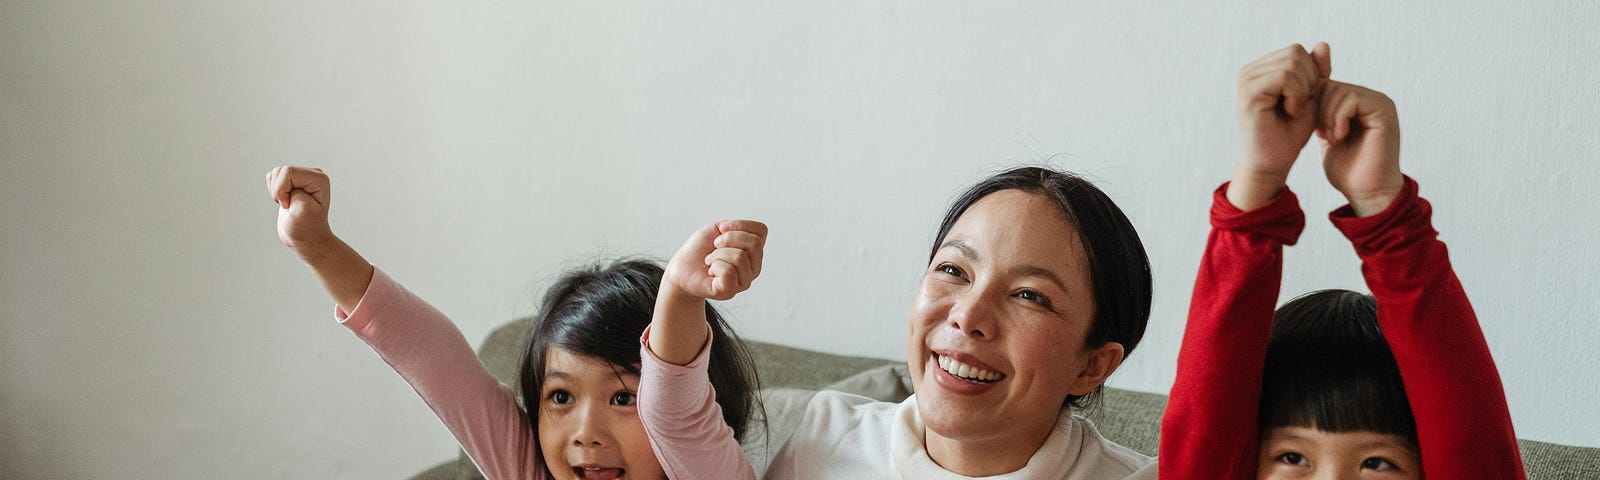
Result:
pixel 302 195
pixel 719 260
pixel 1277 112
pixel 1360 133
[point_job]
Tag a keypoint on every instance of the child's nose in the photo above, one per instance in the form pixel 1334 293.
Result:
pixel 592 429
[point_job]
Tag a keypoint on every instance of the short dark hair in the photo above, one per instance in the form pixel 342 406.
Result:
pixel 1328 367
pixel 602 309
pixel 1119 270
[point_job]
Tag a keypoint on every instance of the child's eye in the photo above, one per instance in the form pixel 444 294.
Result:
pixel 560 397
pixel 1379 464
pixel 623 398
pixel 1292 458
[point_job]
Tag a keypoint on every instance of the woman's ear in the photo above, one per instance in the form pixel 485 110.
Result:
pixel 1101 362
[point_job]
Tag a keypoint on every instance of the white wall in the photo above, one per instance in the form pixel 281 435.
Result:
pixel 152 326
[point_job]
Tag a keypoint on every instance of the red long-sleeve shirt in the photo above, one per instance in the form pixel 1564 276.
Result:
pixel 1210 429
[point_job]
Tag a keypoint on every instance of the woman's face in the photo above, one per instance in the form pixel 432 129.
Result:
pixel 589 427
pixel 999 327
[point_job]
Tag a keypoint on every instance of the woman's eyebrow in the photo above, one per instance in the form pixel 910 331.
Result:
pixel 1045 273
pixel 960 246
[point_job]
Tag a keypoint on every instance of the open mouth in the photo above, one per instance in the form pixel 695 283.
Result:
pixel 967 372
pixel 598 473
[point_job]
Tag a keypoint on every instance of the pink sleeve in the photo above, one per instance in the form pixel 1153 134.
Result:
pixel 1209 428
pixel 430 354
pixel 1463 424
pixel 680 413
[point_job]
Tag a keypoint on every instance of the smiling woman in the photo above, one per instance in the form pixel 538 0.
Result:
pixel 1036 290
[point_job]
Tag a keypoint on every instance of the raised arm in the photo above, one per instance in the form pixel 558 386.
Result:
pixel 418 341
pixel 1209 429
pixel 303 196
pixel 676 400
pixel 1463 423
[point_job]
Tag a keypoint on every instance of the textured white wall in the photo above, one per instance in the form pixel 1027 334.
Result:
pixel 152 326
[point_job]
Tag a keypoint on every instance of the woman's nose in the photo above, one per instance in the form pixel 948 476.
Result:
pixel 973 314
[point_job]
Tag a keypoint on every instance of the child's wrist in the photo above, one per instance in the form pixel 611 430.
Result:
pixel 1247 191
pixel 1371 204
pixel 319 250
pixel 673 295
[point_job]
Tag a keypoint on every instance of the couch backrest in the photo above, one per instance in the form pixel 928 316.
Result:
pixel 1130 418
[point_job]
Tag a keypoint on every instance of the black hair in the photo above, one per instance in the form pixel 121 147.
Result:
pixel 1119 270
pixel 602 309
pixel 1328 367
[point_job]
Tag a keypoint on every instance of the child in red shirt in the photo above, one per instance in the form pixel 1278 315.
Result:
pixel 1320 386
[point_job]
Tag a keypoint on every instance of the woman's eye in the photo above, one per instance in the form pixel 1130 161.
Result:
pixel 623 398
pixel 1379 464
pixel 950 270
pixel 560 397
pixel 1292 458
pixel 1034 297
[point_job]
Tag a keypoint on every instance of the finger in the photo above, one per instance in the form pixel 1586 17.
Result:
pixel 271 195
pixel 1333 93
pixel 1323 54
pixel 749 242
pixel 1373 109
pixel 1289 80
pixel 303 202
pixel 1339 113
pixel 1261 92
pixel 700 243
pixel 312 180
pixel 738 259
pixel 281 185
pixel 725 280
pixel 752 226
pixel 1302 83
pixel 740 239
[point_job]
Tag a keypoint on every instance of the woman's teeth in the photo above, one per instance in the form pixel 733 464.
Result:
pixel 968 372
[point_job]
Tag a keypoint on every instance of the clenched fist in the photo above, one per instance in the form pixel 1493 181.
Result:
pixel 1360 132
pixel 302 195
pixel 1278 96
pixel 719 260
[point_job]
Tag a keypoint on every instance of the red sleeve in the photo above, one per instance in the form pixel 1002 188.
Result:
pixel 1209 428
pixel 1463 424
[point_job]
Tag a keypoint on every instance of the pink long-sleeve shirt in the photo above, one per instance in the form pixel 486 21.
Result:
pixel 676 403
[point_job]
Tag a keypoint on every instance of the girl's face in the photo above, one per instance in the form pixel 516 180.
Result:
pixel 998 331
pixel 1301 452
pixel 588 425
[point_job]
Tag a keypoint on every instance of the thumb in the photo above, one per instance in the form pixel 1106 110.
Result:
pixel 1323 55
pixel 301 202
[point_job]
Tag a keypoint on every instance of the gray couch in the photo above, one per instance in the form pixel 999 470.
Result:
pixel 791 375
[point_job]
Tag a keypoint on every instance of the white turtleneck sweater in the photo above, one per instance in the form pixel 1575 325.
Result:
pixel 850 436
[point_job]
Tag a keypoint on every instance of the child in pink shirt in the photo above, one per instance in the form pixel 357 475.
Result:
pixel 598 401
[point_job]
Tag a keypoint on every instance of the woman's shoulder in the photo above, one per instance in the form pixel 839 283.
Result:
pixel 1100 452
pixel 840 412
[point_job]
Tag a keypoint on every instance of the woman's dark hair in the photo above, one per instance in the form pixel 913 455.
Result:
pixel 1119 270
pixel 601 310
pixel 1328 367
